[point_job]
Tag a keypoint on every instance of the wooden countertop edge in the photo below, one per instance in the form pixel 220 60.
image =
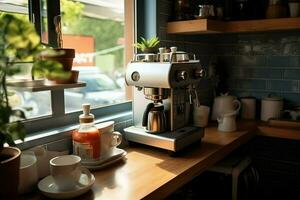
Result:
pixel 283 133
pixel 200 167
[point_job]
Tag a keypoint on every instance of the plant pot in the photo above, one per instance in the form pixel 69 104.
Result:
pixel 65 57
pixel 72 79
pixel 9 172
pixel 150 50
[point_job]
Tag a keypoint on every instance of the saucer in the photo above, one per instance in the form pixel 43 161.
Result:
pixel 118 155
pixel 115 154
pixel 49 189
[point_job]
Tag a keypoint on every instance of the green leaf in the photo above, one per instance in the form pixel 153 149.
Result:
pixel 143 44
pixel 16 130
pixel 9 140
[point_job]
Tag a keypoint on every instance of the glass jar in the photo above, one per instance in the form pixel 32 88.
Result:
pixel 86 140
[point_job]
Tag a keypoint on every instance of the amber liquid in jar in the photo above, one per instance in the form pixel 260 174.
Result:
pixel 86 142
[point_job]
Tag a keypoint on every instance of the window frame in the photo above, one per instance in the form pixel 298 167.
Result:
pixel 59 118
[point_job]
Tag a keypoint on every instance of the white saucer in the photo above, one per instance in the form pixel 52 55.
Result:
pixel 101 163
pixel 49 189
pixel 115 154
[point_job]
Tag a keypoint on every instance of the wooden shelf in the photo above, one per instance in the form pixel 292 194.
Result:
pixel 40 85
pixel 199 26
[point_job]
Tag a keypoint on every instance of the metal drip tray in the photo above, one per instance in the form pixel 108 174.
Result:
pixel 173 141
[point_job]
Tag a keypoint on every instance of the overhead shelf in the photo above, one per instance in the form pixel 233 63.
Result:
pixel 199 26
pixel 41 85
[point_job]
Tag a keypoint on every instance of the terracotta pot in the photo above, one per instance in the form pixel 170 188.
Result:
pixel 65 58
pixel 150 50
pixel 9 172
pixel 72 79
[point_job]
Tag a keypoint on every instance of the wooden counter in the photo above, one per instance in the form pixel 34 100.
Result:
pixel 278 132
pixel 150 173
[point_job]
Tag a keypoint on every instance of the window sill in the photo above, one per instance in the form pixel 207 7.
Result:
pixel 122 119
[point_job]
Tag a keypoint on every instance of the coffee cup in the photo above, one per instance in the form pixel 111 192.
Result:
pixel 200 116
pixel 66 171
pixel 28 176
pixel 110 139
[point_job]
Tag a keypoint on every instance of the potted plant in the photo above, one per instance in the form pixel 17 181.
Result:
pixel 148 46
pixel 19 42
pixel 62 55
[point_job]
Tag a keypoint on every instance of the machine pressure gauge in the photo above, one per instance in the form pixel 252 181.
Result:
pixel 135 76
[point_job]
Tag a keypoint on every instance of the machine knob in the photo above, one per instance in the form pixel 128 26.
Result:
pixel 135 76
pixel 182 75
pixel 200 73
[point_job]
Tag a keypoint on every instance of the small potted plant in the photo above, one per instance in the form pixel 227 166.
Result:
pixel 19 42
pixel 62 55
pixel 148 46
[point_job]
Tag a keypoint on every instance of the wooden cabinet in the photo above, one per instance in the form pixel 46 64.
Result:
pixel 199 26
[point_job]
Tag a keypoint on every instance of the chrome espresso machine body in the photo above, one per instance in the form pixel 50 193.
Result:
pixel 162 99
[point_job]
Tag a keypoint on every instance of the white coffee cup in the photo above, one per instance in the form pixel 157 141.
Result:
pixel 66 171
pixel 28 177
pixel 200 115
pixel 294 9
pixel 110 139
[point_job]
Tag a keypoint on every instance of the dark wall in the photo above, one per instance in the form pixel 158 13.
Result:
pixel 249 64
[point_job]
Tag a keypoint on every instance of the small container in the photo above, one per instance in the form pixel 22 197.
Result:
pixel 271 108
pixel 248 108
pixel 276 9
pixel 86 140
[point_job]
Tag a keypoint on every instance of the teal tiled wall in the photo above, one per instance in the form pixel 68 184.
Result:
pixel 252 64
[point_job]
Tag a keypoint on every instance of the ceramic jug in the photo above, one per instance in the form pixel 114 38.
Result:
pixel 225 104
pixel 227 122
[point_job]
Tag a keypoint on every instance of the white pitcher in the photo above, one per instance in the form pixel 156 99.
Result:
pixel 225 104
pixel 227 122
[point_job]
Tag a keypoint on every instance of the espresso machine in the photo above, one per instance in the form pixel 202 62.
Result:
pixel 162 100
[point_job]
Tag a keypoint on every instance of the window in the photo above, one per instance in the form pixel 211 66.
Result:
pixel 26 101
pixel 95 29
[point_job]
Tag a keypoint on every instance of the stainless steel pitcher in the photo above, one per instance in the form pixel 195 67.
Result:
pixel 154 118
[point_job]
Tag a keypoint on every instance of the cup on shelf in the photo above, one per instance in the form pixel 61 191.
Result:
pixel 294 9
pixel 248 108
pixel 201 115
pixel 110 139
pixel 66 171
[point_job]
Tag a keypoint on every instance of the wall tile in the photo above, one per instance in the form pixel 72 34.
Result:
pixel 250 61
pixel 283 61
pixel 262 73
pixel 293 74
pixel 283 85
pixel 254 84
pixel 253 64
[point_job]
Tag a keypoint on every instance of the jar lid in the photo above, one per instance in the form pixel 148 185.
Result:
pixel 86 117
